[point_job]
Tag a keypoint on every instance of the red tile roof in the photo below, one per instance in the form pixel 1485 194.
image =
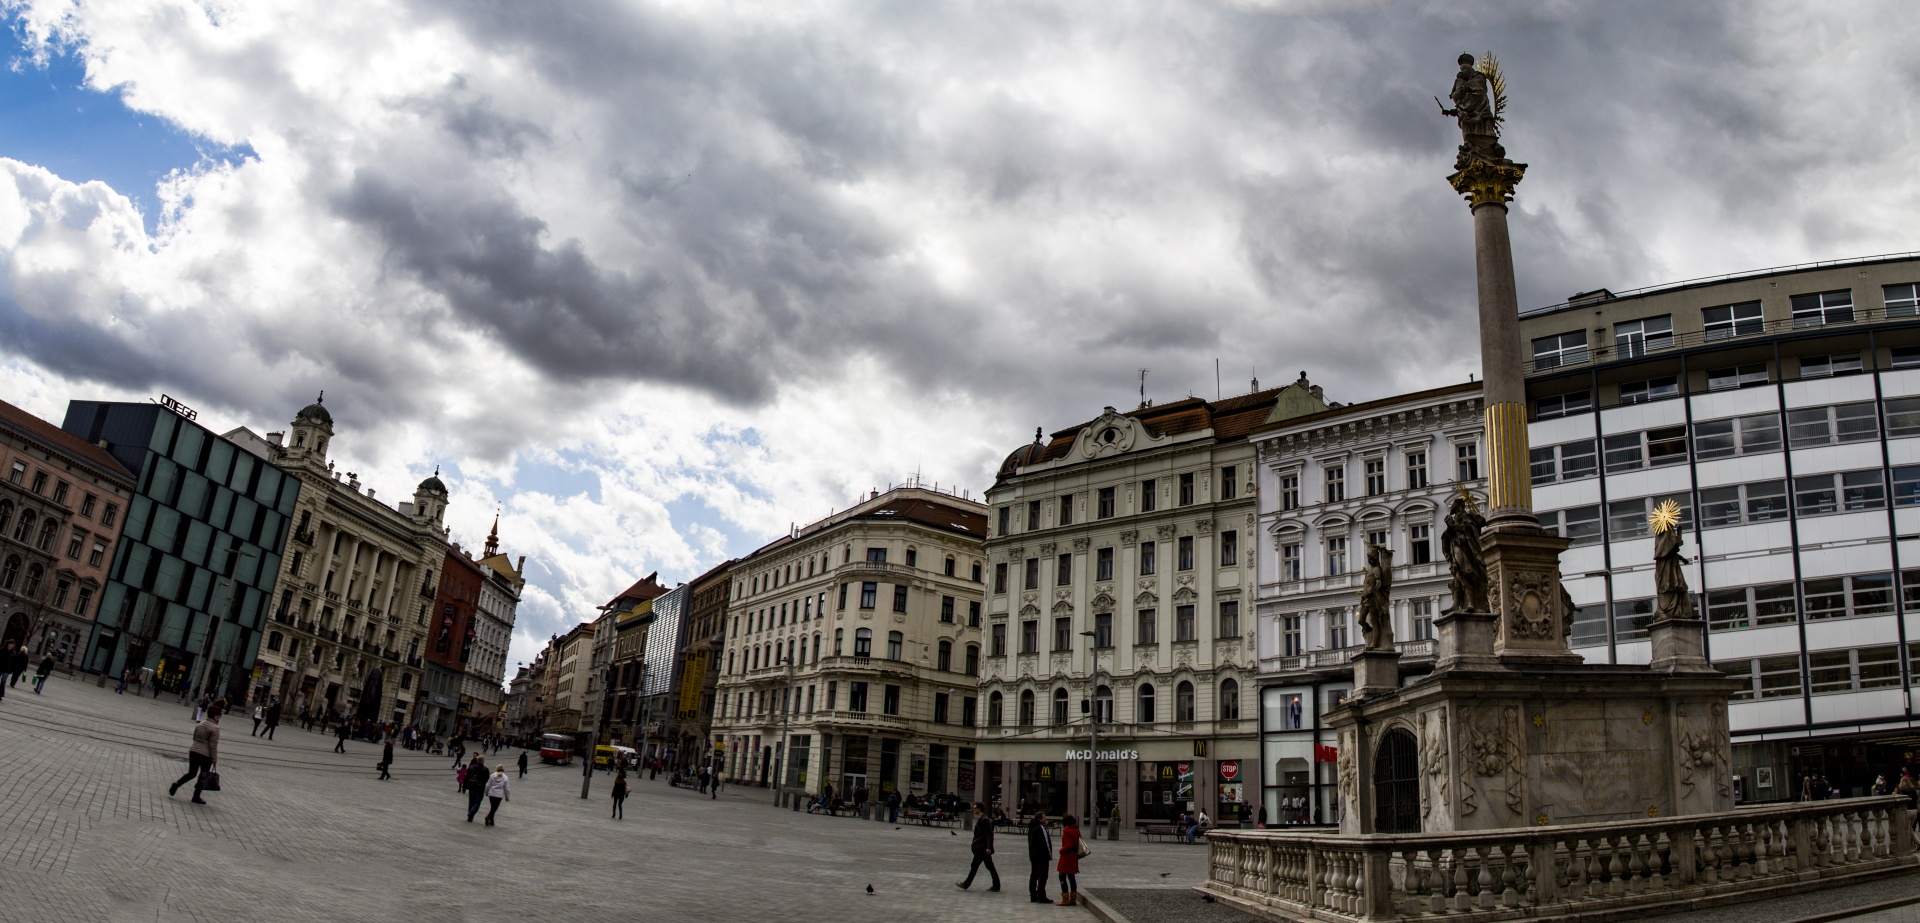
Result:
pixel 60 440
pixel 642 590
pixel 1231 418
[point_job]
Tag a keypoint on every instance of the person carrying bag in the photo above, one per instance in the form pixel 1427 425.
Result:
pixel 202 757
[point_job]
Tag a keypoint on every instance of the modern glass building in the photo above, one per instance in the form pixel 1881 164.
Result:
pixel 204 510
pixel 1781 410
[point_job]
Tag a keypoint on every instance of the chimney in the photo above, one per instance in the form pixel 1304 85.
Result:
pixel 277 440
pixel 369 493
pixel 521 566
pixel 1319 393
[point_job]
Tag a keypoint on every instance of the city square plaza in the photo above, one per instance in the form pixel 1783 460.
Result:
pixel 88 833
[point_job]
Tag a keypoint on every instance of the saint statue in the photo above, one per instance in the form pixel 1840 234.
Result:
pixel 1479 95
pixel 1376 613
pixel 1461 540
pixel 1669 565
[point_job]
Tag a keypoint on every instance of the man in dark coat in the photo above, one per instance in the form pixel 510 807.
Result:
pixel 273 718
pixel 982 848
pixel 476 785
pixel 340 732
pixel 1040 854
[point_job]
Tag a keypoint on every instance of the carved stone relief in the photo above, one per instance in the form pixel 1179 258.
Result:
pixel 1204 527
pixel 1166 531
pixel 1145 656
pixel 1183 580
pixel 1529 603
pixel 1183 657
pixel 1103 599
pixel 1493 759
pixel 1081 544
pixel 1433 762
pixel 1146 584
pixel 1047 549
pixel 1061 662
pixel 1063 593
pixel 1129 537
pixel 1349 770
pixel 1704 749
pixel 1145 600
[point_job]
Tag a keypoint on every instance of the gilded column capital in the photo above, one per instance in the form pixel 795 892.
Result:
pixel 1482 182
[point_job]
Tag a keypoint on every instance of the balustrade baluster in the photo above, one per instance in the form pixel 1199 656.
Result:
pixel 1441 878
pixel 1461 899
pixel 1616 867
pixel 1412 883
pixel 1763 842
pixel 1579 881
pixel 1636 864
pixel 1657 861
pixel 1742 852
pixel 1484 881
pixel 1564 873
pixel 1883 827
pixel 1823 842
pixel 1596 868
pixel 1710 846
pixel 1855 827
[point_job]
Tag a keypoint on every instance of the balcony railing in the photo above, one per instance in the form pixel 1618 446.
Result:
pixel 1417 651
pixel 1636 348
pixel 304 538
pixel 1551 872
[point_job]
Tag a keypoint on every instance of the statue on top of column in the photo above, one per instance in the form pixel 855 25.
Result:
pixel 1466 563
pixel 1479 97
pixel 1669 565
pixel 1376 611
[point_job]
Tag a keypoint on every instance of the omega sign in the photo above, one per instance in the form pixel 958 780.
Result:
pixel 1103 755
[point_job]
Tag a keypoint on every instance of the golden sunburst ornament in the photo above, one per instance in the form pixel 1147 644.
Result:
pixel 1473 505
pixel 1665 517
pixel 1496 85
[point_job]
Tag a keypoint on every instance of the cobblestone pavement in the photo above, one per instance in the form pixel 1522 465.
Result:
pixel 88 833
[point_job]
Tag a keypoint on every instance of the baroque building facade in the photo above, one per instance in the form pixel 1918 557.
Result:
pixel 1118 608
pixel 1333 482
pixel 482 684
pixel 351 620
pixel 852 649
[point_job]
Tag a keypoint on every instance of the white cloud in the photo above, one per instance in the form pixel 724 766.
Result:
pixel 731 264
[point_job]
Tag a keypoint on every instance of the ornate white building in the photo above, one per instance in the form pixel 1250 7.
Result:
pixel 1122 566
pixel 354 585
pixel 1381 472
pixel 493 629
pixel 857 640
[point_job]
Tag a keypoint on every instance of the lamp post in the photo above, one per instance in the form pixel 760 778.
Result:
pixel 1606 578
pixel 1093 728
pixel 786 721
pixel 219 620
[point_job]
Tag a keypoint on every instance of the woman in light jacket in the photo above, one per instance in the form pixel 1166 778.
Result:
pixel 497 791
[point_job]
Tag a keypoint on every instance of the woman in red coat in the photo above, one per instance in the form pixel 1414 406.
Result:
pixel 1071 850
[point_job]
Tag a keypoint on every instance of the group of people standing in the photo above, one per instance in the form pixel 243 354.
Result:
pixel 1040 854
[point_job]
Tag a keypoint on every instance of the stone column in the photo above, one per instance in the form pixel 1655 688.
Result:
pixel 1488 187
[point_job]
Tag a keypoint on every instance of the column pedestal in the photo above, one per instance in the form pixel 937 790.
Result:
pixel 1466 640
pixel 1523 590
pixel 1679 646
pixel 1375 672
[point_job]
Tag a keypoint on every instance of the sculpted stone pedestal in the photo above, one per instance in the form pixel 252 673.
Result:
pixel 1376 673
pixel 1523 591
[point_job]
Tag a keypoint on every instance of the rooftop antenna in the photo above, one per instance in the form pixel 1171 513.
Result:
pixel 1216 378
pixel 1256 377
pixel 1143 389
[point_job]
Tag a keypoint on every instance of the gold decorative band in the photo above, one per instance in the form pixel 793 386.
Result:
pixel 1509 478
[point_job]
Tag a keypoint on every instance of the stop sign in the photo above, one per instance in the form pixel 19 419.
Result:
pixel 1229 770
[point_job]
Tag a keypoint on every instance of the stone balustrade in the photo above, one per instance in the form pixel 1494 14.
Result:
pixel 1561 871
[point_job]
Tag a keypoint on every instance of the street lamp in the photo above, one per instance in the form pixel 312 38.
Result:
pixel 219 619
pixel 786 720
pixel 1606 577
pixel 1093 728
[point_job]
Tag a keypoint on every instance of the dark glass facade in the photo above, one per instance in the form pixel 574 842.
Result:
pixel 203 508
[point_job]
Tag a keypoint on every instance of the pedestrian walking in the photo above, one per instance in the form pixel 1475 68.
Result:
pixel 982 849
pixel 386 759
pixel 620 796
pixel 523 764
pixel 1072 848
pixel 1040 857
pixel 259 717
pixel 273 718
pixel 202 757
pixel 340 732
pixel 893 807
pixel 496 789
pixel 40 675
pixel 6 667
pixel 476 783
pixel 125 676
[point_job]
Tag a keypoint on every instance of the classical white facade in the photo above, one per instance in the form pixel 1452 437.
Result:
pixel 493 628
pixel 1380 472
pixel 854 645
pixel 1122 559
pixel 355 584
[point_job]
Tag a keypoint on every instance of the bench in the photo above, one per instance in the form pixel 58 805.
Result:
pixel 927 818
pixel 1166 831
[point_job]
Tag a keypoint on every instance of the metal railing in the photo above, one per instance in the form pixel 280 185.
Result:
pixel 1554 871
pixel 1723 277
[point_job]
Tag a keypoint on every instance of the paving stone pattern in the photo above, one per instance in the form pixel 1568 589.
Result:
pixel 88 833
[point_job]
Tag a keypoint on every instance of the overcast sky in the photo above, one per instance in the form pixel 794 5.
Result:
pixel 657 279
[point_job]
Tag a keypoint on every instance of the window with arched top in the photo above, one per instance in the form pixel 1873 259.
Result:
pixel 973 660
pixel 753 659
pixel 24 530
pixel 1229 700
pixel 30 587
pixel 1103 704
pixel 9 572
pixel 863 642
pixel 896 642
pixel 1026 708
pixel 944 656
pixel 839 640
pixel 49 528
pixel 994 705
pixel 1059 707
pixel 1183 706
pixel 816 647
pixel 948 569
pixel 1144 711
pixel 6 515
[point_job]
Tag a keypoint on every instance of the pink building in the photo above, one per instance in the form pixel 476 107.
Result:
pixel 62 503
